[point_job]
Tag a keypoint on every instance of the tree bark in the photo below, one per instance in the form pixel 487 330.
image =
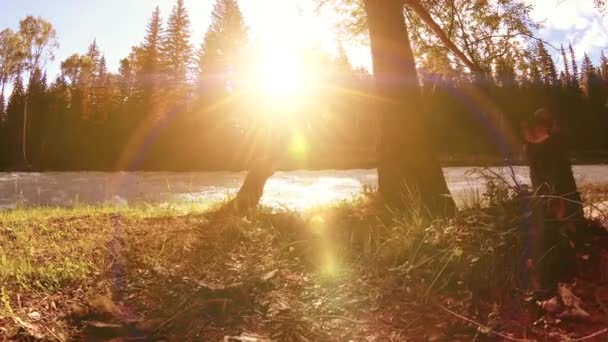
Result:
pixel 406 157
pixel 251 191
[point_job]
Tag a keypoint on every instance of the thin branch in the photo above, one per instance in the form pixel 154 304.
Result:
pixel 592 205
pixel 426 17
pixel 484 327
pixel 464 32
pixel 588 337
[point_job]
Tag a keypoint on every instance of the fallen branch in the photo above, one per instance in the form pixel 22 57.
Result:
pixel 482 326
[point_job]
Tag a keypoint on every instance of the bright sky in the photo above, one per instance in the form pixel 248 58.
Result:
pixel 120 24
pixel 575 21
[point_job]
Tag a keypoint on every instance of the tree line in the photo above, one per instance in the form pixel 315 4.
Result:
pixel 174 106
pixel 577 95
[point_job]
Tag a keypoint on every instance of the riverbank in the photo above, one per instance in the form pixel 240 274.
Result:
pixel 342 272
pixel 296 190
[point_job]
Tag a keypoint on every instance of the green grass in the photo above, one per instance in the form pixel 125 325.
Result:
pixel 352 260
pixel 49 248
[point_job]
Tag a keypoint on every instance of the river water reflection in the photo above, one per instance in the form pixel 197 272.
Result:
pixel 293 189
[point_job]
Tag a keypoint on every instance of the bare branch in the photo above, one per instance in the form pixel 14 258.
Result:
pixel 417 7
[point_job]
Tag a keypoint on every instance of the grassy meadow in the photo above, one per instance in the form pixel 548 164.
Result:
pixel 347 272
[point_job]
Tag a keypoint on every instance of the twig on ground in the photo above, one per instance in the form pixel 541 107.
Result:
pixel 485 327
pixel 599 301
pixel 170 319
pixel 449 258
pixel 59 338
pixel 588 337
pixel 177 314
pixel 592 205
pixel 342 318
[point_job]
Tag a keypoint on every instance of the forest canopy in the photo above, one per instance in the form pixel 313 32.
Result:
pixel 179 104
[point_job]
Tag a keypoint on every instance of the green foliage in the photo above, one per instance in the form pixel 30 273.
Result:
pixel 176 48
pixel 39 41
pixel 484 30
pixel 11 56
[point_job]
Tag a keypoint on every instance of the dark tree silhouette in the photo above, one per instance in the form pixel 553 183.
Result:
pixel 177 51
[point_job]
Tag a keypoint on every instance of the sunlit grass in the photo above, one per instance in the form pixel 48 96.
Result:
pixel 326 258
pixel 135 210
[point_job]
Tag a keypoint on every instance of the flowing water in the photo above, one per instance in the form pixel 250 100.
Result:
pixel 292 189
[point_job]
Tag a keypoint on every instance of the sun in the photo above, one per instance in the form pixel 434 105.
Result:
pixel 279 73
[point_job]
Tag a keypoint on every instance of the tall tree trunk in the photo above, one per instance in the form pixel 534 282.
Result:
pixel 406 158
pixel 24 140
pixel 2 90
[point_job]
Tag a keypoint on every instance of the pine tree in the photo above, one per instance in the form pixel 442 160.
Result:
pixel 575 74
pixel 505 72
pixel 14 119
pixel 94 53
pixel 604 67
pixel 102 68
pixel 152 43
pixel 594 102
pixel 148 74
pixel 60 126
pixel 223 42
pixel 126 81
pixel 38 106
pixel 546 65
pixel 590 80
pixel 567 77
pixel 535 72
pixel 176 49
pixel 101 91
pixel 586 65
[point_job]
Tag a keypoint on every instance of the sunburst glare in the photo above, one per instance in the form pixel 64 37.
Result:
pixel 280 73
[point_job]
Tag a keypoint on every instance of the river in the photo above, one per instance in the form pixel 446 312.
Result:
pixel 292 189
